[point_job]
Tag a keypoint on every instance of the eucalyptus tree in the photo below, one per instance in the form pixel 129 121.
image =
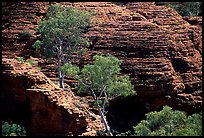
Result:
pixel 169 122
pixel 103 81
pixel 62 32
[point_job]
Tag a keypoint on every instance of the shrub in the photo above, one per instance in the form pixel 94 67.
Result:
pixel 20 59
pixel 187 8
pixel 12 129
pixel 32 62
pixel 37 45
pixel 38 68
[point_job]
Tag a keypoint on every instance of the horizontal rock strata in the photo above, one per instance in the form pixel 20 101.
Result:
pixel 30 96
pixel 160 50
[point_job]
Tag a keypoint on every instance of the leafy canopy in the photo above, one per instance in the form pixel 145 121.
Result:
pixel 70 69
pixel 103 75
pixel 169 123
pixel 63 26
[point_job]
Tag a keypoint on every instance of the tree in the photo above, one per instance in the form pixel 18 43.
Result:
pixel 62 32
pixel 102 81
pixel 169 123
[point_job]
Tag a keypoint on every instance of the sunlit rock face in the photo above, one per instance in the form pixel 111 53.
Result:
pixel 160 51
pixel 30 97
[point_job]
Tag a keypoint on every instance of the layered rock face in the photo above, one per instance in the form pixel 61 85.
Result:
pixel 160 50
pixel 19 18
pixel 28 95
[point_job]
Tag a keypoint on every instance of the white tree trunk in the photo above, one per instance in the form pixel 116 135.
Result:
pixel 60 73
pixel 62 80
pixel 101 112
pixel 105 122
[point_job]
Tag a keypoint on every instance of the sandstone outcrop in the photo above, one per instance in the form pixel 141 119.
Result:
pixel 19 18
pixel 28 95
pixel 160 50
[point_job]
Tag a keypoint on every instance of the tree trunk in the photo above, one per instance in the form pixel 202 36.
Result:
pixel 102 114
pixel 63 63
pixel 60 73
pixel 62 80
pixel 105 122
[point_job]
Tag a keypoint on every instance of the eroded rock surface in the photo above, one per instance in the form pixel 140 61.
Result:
pixel 29 95
pixel 160 50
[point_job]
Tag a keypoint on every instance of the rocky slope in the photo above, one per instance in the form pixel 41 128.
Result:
pixel 160 50
pixel 29 95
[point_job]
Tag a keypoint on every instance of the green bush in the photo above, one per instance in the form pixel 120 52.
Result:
pixel 103 75
pixel 37 45
pixel 38 68
pixel 170 123
pixel 70 69
pixel 12 129
pixel 32 62
pixel 187 8
pixel 20 59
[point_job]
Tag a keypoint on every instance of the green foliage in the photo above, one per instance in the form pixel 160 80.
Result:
pixel 25 35
pixel 169 123
pixel 187 8
pixel 120 85
pixel 63 26
pixel 32 62
pixel 96 103
pixel 103 74
pixel 102 81
pixel 12 129
pixel 70 69
pixel 99 74
pixel 20 59
pixel 29 61
pixel 81 52
pixel 37 45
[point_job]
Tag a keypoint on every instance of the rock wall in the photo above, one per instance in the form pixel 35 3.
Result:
pixel 160 50
pixel 28 95
pixel 18 18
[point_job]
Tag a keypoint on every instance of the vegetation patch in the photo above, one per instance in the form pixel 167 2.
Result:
pixel 11 129
pixel 62 32
pixel 168 122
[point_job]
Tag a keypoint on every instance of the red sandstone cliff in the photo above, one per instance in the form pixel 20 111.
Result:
pixel 29 95
pixel 160 50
